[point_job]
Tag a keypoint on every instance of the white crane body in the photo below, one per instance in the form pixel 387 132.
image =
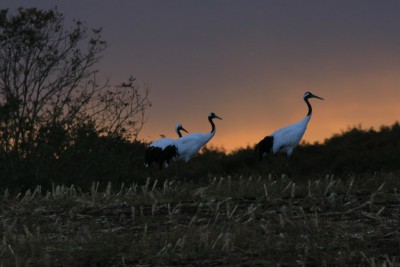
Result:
pixel 191 144
pixel 162 143
pixel 287 138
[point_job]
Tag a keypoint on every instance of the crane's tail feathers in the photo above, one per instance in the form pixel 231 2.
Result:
pixel 152 154
pixel 264 147
pixel 168 153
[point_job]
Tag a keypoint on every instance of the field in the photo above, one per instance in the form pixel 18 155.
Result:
pixel 223 221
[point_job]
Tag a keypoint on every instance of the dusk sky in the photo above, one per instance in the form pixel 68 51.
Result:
pixel 250 62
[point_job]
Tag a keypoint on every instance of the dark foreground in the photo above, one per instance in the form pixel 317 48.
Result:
pixel 238 221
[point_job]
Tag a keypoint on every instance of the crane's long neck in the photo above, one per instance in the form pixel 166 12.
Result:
pixel 178 131
pixel 210 119
pixel 309 107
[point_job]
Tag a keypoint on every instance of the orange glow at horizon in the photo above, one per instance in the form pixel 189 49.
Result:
pixel 369 101
pixel 232 142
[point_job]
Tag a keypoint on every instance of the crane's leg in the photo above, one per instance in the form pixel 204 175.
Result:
pixel 290 167
pixel 288 163
pixel 279 166
pixel 286 168
pixel 180 170
pixel 270 166
pixel 177 169
pixel 150 172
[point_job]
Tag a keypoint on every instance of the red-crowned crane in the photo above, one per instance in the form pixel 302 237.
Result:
pixel 287 138
pixel 160 151
pixel 191 144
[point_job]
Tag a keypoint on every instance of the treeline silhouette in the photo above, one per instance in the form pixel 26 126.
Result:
pixel 86 156
pixel 356 150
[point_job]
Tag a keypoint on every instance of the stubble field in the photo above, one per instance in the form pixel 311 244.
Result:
pixel 223 221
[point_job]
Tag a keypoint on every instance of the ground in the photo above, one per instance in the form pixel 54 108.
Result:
pixel 223 221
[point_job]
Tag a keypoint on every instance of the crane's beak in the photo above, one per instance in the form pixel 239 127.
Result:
pixel 315 96
pixel 217 117
pixel 183 129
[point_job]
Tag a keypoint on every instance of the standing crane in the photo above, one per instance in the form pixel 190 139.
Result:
pixel 191 144
pixel 287 138
pixel 160 151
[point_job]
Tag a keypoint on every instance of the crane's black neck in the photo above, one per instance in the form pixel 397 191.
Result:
pixel 210 119
pixel 179 132
pixel 309 107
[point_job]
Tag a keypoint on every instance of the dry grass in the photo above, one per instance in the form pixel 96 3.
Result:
pixel 242 221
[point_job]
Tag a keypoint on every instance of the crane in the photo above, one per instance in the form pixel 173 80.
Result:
pixel 191 144
pixel 160 151
pixel 287 138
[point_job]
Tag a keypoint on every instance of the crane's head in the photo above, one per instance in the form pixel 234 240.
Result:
pixel 179 127
pixel 213 116
pixel 308 95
